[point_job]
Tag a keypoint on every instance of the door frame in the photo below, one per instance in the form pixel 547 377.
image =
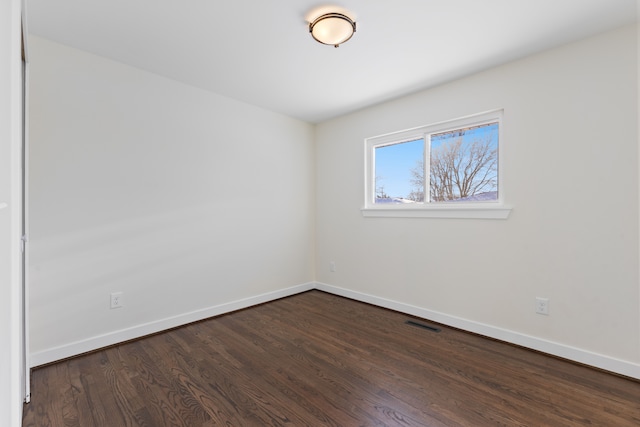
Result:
pixel 24 336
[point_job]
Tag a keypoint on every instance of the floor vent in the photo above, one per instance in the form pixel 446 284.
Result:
pixel 422 325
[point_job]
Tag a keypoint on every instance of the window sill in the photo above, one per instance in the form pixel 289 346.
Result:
pixel 493 211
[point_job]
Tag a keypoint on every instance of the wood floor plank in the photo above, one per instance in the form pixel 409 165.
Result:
pixel 393 360
pixel 316 359
pixel 260 371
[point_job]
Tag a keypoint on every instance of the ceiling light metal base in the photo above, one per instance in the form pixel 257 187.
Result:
pixel 332 29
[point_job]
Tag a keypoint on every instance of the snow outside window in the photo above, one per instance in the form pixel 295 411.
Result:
pixel 449 169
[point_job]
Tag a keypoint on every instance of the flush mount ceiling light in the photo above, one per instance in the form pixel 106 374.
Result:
pixel 332 28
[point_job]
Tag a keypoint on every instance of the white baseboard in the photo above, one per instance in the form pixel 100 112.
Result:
pixel 596 360
pixel 600 361
pixel 94 343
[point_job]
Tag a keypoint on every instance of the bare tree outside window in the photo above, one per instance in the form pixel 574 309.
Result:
pixel 448 169
pixel 463 166
pixel 380 193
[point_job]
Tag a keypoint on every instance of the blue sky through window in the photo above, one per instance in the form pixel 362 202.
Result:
pixel 393 163
pixel 393 167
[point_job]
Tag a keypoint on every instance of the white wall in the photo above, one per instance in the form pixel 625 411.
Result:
pixel 192 204
pixel 570 153
pixel 187 202
pixel 10 213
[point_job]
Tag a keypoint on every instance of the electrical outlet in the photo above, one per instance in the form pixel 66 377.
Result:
pixel 116 300
pixel 332 266
pixel 542 306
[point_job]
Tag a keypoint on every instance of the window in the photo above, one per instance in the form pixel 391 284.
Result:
pixel 449 169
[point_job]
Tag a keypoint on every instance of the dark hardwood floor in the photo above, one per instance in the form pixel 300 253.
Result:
pixel 315 359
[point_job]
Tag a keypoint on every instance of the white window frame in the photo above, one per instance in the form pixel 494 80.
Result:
pixel 481 210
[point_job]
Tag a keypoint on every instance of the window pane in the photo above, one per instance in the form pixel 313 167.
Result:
pixel 399 171
pixel 464 165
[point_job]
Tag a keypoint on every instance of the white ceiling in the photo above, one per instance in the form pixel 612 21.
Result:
pixel 260 51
